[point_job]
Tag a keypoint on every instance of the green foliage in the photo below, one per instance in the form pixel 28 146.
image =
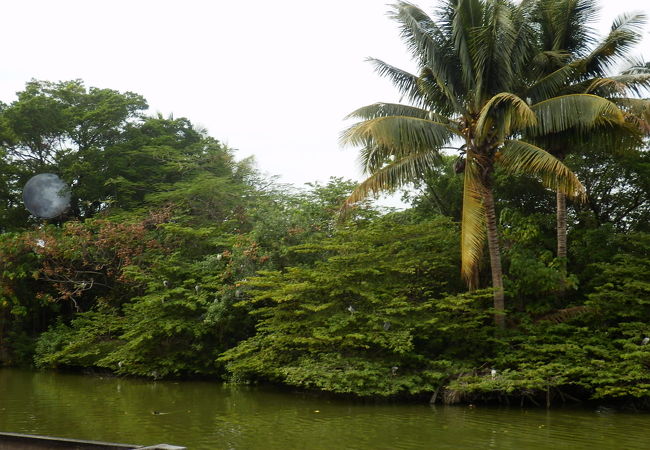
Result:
pixel 160 161
pixel 618 182
pixel 176 260
pixel 63 128
pixel 598 353
pixel 374 316
pixel 284 218
pixel 623 284
pixel 165 335
pixel 18 304
pixel 90 336
pixel 535 277
pixel 167 282
pixel 440 192
pixel 561 362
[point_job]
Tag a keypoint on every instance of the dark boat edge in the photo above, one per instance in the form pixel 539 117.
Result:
pixel 17 441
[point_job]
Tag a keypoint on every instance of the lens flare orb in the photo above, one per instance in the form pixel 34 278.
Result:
pixel 46 196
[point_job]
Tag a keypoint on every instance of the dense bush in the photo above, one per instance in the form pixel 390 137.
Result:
pixel 378 314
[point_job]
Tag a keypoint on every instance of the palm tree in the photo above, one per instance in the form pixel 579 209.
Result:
pixel 571 60
pixel 473 60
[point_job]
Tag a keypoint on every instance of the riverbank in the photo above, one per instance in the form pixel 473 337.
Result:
pixel 553 398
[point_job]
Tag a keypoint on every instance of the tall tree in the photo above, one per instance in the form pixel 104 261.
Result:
pixel 65 128
pixel 572 60
pixel 50 119
pixel 473 58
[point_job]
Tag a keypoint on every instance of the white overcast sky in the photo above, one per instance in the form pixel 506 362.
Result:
pixel 272 79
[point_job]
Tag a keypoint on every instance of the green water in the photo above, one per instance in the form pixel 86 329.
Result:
pixel 203 415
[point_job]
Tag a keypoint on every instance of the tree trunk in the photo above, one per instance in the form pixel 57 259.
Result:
pixel 561 228
pixel 561 220
pixel 495 258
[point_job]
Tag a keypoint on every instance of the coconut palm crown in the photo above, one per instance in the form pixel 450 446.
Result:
pixel 572 60
pixel 473 87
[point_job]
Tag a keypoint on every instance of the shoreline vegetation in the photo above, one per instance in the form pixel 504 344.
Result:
pixel 176 261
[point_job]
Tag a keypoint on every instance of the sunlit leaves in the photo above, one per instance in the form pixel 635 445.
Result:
pixel 399 134
pixel 522 157
pixel 394 174
pixel 473 221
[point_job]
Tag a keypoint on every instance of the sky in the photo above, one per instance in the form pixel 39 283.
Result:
pixel 271 79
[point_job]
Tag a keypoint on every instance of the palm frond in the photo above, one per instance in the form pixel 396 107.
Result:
pixel 465 16
pixel 394 175
pixel 505 111
pixel 522 157
pixel 421 91
pixel 434 96
pixel 551 84
pixel 548 61
pixel 637 112
pixel 398 136
pixel 637 67
pixel 610 139
pixel 579 111
pixel 473 231
pixel 405 82
pixel 496 52
pixel 626 31
pixel 392 109
pixel 431 47
pixel 564 24
pixel 636 106
pixel 634 84
pixel 601 85
pixel 524 43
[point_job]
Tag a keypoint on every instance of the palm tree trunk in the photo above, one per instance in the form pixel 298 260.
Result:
pixel 561 219
pixel 495 257
pixel 561 228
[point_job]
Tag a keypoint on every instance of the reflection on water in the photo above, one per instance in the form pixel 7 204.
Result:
pixel 204 415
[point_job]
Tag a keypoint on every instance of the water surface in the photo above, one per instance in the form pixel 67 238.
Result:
pixel 202 415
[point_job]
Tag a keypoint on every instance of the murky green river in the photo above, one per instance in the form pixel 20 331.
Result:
pixel 203 415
